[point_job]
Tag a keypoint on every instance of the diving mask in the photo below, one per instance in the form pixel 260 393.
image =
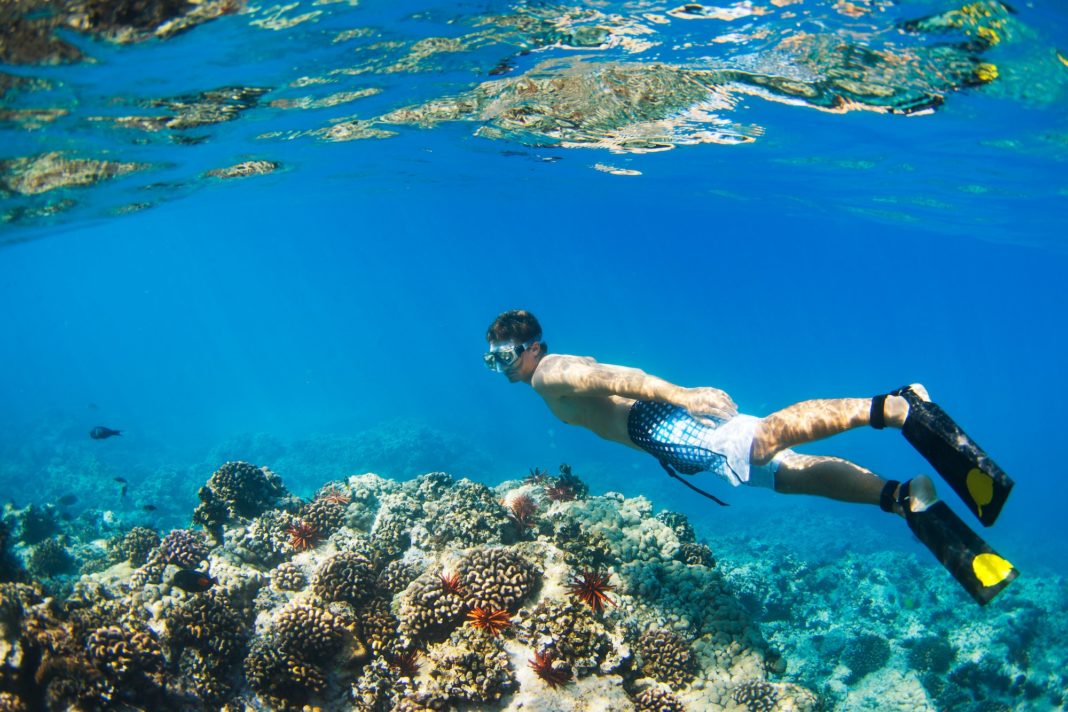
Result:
pixel 502 357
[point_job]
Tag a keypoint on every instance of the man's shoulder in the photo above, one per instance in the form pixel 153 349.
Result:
pixel 555 363
pixel 554 370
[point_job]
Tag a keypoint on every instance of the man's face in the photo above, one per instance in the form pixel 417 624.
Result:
pixel 522 369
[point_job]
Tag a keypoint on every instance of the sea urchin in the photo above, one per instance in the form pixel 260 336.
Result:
pixel 303 536
pixel 592 588
pixel 542 664
pixel 493 621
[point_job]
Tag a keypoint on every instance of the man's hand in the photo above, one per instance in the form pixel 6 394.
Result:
pixel 703 403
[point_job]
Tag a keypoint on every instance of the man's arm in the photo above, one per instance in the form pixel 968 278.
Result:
pixel 559 375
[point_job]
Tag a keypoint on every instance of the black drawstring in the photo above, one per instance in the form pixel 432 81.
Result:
pixel 667 468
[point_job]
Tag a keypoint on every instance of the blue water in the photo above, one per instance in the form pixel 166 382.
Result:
pixel 335 308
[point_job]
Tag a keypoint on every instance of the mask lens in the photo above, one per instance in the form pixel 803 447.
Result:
pixel 503 358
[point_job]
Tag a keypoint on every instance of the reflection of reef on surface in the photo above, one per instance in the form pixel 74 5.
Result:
pixel 635 107
pixel 615 77
pixel 427 594
pixel 244 170
pixel 40 174
pixel 638 107
pixel 186 112
pixel 28 27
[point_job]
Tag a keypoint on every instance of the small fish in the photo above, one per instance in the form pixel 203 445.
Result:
pixel 122 492
pixel 66 516
pixel 121 480
pixel 67 500
pixel 94 406
pixel 149 507
pixel 193 581
pixel 102 433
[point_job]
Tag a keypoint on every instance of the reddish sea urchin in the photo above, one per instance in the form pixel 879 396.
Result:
pixel 592 588
pixel 303 536
pixel 522 509
pixel 450 583
pixel 492 621
pixel 406 664
pixel 335 496
pixel 542 664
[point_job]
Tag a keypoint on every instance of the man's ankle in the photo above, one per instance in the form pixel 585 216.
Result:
pixel 895 411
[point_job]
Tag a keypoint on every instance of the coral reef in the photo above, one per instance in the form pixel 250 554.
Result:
pixel 137 545
pixel 346 576
pixel 756 695
pixel 236 491
pixel 35 524
pixel 865 654
pixel 288 577
pixel 657 699
pixel 666 658
pixel 50 558
pixel 415 595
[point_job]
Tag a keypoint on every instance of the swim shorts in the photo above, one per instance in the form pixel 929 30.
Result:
pixel 670 434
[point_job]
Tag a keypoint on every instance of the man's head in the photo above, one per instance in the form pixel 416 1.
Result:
pixel 515 345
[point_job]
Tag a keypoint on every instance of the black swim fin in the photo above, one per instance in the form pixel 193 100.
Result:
pixel 976 478
pixel 976 566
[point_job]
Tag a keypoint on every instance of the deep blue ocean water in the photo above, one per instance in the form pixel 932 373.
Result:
pixel 332 312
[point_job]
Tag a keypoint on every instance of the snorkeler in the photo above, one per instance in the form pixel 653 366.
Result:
pixel 691 430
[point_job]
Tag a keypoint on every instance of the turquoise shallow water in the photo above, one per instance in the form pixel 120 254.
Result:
pixel 784 200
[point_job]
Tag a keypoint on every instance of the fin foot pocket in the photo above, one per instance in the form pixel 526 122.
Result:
pixel 976 478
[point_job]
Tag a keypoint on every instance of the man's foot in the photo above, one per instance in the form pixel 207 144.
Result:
pixel 962 463
pixel 896 408
pixel 916 495
pixel 909 497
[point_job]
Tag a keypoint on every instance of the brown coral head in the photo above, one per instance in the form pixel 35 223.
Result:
pixel 450 583
pixel 592 588
pixel 492 621
pixel 555 675
pixel 303 536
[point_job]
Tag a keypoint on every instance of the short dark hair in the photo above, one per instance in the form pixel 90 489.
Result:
pixel 515 325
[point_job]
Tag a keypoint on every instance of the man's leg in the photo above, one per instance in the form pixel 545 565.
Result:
pixel 812 420
pixel 829 477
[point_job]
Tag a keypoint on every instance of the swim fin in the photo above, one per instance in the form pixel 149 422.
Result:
pixel 976 478
pixel 976 566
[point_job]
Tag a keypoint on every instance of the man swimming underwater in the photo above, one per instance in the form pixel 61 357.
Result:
pixel 691 430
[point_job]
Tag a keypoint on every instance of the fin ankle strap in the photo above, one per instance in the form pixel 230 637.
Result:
pixel 886 498
pixel 876 418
